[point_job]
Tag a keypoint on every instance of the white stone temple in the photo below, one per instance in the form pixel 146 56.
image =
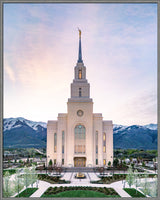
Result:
pixel 80 138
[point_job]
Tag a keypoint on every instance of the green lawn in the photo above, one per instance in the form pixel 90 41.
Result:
pixel 132 192
pixel 79 193
pixel 11 171
pixel 27 192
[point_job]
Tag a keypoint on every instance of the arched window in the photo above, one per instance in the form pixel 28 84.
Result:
pixel 79 139
pixel 55 142
pixel 80 74
pixel 80 92
pixel 104 142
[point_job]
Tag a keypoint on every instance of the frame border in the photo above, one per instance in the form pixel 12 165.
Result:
pixel 77 1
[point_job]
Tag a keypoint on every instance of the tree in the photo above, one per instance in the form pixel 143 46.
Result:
pixel 155 167
pixel 115 162
pixel 154 189
pixel 130 177
pixel 132 164
pixel 109 164
pixel 136 179
pixel 6 184
pixel 50 162
pixel 40 157
pixel 17 182
pixel 27 176
pixel 143 164
pixel 34 175
pixel 146 188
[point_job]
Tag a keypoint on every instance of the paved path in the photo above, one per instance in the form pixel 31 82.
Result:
pixel 43 186
pixel 117 186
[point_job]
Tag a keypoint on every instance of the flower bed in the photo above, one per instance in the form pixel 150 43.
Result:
pixel 116 177
pixel 51 179
pixel 110 179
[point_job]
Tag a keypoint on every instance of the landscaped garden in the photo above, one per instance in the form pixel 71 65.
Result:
pixel 110 179
pixel 11 171
pixel 27 192
pixel 133 192
pixel 14 183
pixel 118 177
pixel 80 192
pixel 51 179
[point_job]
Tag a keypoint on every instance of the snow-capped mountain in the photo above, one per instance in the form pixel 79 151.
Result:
pixel 20 132
pixel 135 136
pixel 151 126
pixel 117 128
pixel 10 123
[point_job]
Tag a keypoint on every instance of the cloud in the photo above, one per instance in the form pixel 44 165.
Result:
pixel 117 51
pixel 9 71
pixel 143 107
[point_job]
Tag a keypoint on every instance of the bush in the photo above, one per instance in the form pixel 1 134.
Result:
pixel 51 179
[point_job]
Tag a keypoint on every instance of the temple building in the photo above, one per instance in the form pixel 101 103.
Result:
pixel 80 138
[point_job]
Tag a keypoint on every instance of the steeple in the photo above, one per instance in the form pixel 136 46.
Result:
pixel 80 50
pixel 80 88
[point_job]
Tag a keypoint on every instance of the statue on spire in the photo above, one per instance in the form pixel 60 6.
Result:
pixel 79 32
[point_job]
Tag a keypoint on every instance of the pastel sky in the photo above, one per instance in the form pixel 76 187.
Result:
pixel 119 50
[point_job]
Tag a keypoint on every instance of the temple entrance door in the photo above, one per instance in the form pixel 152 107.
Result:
pixel 79 161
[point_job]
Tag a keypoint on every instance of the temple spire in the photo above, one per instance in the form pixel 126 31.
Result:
pixel 80 50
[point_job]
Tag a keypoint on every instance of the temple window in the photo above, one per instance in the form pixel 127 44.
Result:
pixel 80 74
pixel 55 142
pixel 62 141
pixel 96 142
pixel 104 143
pixel 80 139
pixel 80 92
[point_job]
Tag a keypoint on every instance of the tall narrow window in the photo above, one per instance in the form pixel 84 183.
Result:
pixel 104 161
pixel 62 141
pixel 104 143
pixel 96 142
pixel 96 161
pixel 80 74
pixel 80 92
pixel 79 139
pixel 55 142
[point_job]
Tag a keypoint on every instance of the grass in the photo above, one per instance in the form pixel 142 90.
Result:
pixel 11 171
pixel 132 192
pixel 27 192
pixel 79 193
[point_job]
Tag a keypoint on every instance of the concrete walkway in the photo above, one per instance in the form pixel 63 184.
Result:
pixel 43 186
pixel 117 186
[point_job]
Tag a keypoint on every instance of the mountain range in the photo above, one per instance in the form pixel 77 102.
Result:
pixel 23 133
